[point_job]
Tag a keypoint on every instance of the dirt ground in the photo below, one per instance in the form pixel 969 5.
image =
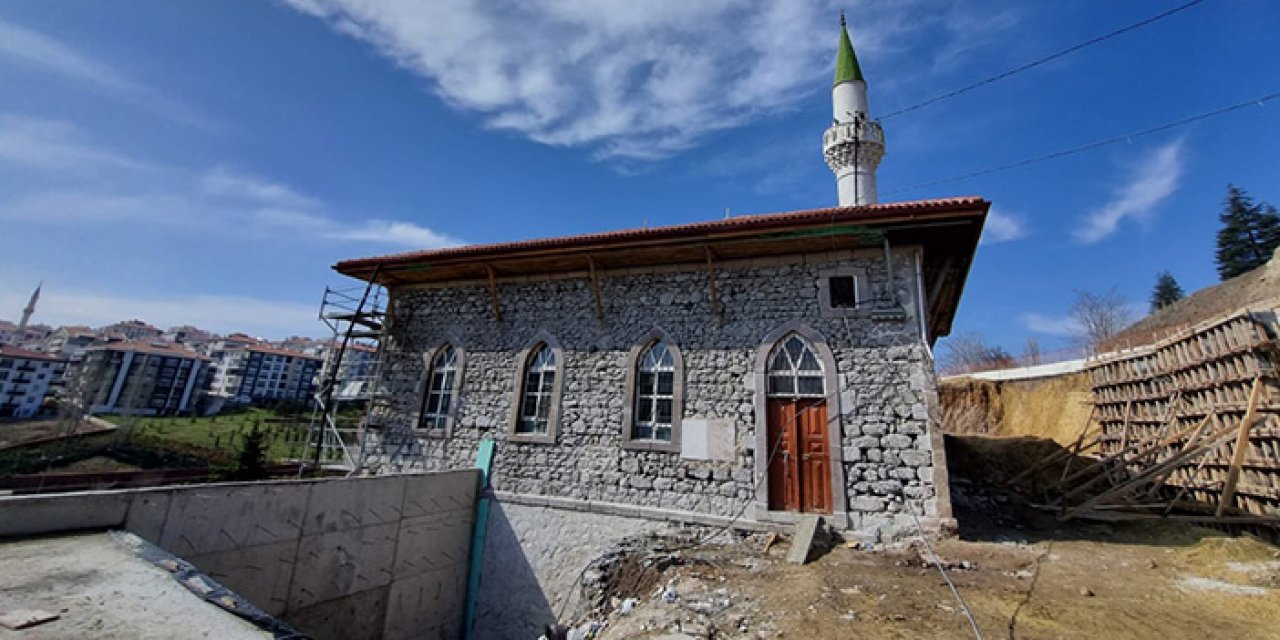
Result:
pixel 23 432
pixel 1085 581
pixel 1022 573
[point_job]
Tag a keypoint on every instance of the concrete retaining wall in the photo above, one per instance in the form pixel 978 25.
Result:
pixel 533 558
pixel 354 558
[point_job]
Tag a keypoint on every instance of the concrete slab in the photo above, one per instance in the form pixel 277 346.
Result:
pixel 429 605
pixel 802 539
pixel 355 617
pixel 103 590
pixel 36 515
pixel 354 502
pixel 147 513
pixel 432 542
pixel 223 518
pixel 429 493
pixel 260 573
pixel 338 564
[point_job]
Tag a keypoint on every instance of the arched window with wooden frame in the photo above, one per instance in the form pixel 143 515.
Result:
pixel 654 395
pixel 539 382
pixel 442 383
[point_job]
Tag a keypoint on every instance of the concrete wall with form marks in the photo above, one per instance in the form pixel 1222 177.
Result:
pixel 381 557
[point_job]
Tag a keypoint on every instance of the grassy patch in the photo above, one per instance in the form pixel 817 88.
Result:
pixel 220 438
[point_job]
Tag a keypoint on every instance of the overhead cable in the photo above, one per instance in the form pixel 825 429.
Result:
pixel 1049 58
pixel 1096 144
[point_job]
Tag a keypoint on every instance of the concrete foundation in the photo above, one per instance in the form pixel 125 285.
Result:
pixel 356 558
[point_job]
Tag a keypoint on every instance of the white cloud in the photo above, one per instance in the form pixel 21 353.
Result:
pixel 1150 182
pixel 389 232
pixel 224 182
pixel 221 313
pixel 1061 326
pixel 108 187
pixel 630 80
pixel 1003 227
pixel 46 54
pixel 38 143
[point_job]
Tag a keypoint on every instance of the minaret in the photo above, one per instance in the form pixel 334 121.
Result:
pixel 31 308
pixel 854 143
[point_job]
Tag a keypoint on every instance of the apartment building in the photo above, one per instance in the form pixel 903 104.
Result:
pixel 261 373
pixel 26 379
pixel 142 378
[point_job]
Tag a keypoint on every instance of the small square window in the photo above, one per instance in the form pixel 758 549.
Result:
pixel 843 292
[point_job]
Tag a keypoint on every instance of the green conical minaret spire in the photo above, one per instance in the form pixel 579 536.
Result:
pixel 847 68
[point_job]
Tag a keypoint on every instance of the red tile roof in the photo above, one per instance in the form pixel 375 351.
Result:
pixel 10 351
pixel 151 348
pixel 867 213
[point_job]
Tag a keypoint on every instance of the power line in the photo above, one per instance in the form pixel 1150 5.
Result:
pixel 1096 144
pixel 1049 58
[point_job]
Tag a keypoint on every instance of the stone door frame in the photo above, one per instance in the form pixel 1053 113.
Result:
pixel 839 517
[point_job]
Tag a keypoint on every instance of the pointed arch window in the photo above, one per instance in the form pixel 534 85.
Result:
pixel 655 395
pixel 795 371
pixel 437 402
pixel 440 388
pixel 537 397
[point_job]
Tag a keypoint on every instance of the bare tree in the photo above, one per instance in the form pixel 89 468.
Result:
pixel 969 352
pixel 1031 353
pixel 1099 316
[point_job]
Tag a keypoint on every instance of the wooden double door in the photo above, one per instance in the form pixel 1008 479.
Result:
pixel 800 469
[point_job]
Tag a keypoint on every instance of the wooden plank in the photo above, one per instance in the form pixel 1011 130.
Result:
pixel 1241 448
pixel 493 293
pixel 595 288
pixel 24 618
pixel 716 309
pixel 1218 439
pixel 1124 428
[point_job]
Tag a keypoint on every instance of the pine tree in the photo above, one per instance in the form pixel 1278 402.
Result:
pixel 1167 291
pixel 1249 235
pixel 252 462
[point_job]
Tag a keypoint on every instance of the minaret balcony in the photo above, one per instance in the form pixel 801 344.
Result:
pixel 861 132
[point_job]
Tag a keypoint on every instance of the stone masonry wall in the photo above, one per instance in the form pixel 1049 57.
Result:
pixel 884 373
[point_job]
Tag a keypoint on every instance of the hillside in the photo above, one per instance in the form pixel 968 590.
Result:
pixel 1244 290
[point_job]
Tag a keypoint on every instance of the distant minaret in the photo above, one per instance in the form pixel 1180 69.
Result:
pixel 854 143
pixel 31 308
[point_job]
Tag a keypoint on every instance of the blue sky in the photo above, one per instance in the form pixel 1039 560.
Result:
pixel 206 162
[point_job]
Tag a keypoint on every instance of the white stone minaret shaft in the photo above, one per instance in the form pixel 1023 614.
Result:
pixel 854 144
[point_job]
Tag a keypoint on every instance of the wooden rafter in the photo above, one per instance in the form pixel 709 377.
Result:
pixel 595 288
pixel 716 309
pixel 493 293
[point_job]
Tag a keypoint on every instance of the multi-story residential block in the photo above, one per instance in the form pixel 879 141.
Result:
pixel 262 373
pixel 141 378
pixel 132 330
pixel 27 378
pixel 69 343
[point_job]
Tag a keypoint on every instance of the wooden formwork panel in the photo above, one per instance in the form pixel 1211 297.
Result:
pixel 1161 401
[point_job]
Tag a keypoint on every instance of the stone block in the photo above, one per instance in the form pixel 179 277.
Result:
pixel 866 442
pixel 851 454
pixel 866 503
pixel 896 441
pixel 916 458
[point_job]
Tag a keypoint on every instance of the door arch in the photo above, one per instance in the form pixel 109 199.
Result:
pixel 798 453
